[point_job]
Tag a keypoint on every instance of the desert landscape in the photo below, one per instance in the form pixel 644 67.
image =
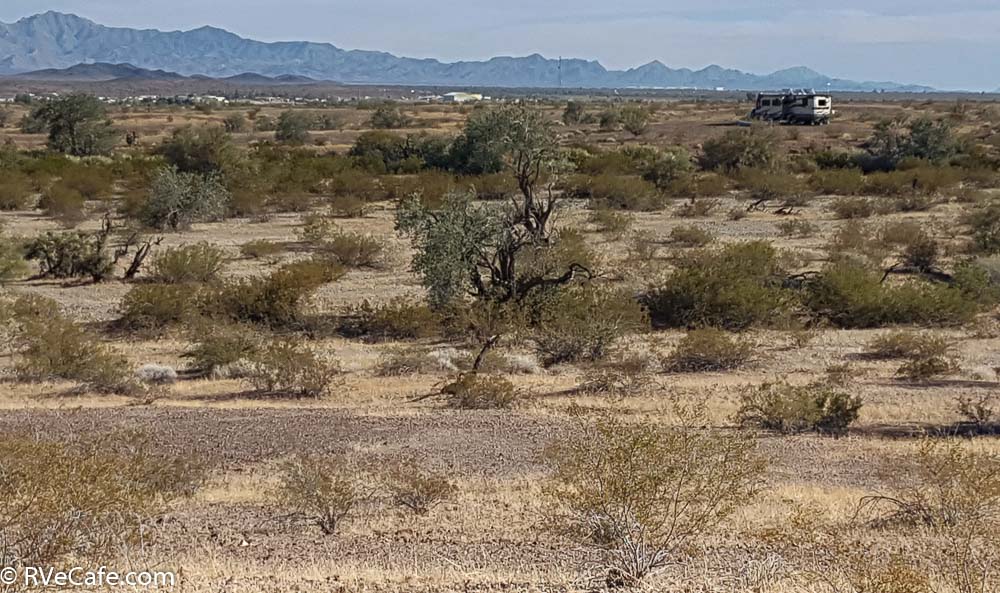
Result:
pixel 526 344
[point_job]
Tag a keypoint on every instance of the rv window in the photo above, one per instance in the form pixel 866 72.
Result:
pixel 805 102
pixel 765 103
pixel 821 102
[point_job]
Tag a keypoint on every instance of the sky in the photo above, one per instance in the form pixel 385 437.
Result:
pixel 947 44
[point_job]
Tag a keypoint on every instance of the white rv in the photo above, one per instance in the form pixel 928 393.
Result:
pixel 805 107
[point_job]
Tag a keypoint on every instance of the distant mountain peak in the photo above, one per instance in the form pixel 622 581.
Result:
pixel 53 40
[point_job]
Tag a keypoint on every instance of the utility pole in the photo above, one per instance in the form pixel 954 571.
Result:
pixel 560 71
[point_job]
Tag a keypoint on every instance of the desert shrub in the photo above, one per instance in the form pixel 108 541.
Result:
pixel 638 493
pixel 70 255
pixel 985 224
pixel 323 490
pixel 156 306
pixel 156 374
pixel 668 167
pixel 753 147
pixel 947 484
pixel 49 346
pixel 925 368
pixel 91 182
pixel 287 368
pixel 838 182
pixel 495 186
pixel 63 204
pixel 275 300
pixel 829 159
pixel 708 350
pixel 982 411
pixel 734 287
pixel 475 391
pixel 922 138
pixel 12 264
pixel 354 250
pixel 419 491
pixel 261 249
pixel 217 345
pixel 347 207
pixel 399 319
pixel 583 323
pixel 850 295
pixel 205 150
pixel 292 127
pixel 235 123
pixel 198 263
pixel 388 118
pixel 797 228
pixel 15 191
pixel 852 208
pixel 619 376
pixel 785 408
pixel 696 208
pixel 88 500
pixel 614 223
pixel 902 344
pixel 404 360
pixel 691 236
pixel 763 186
pixel 619 192
pixel 176 200
pixel 707 185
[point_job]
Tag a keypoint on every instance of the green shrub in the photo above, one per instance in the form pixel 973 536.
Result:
pixel 792 409
pixel 852 208
pixel 12 264
pixel 64 204
pixel 852 296
pixel 198 263
pixel 614 223
pixel 707 185
pixel 763 186
pixel 347 207
pixel 50 346
pixel 399 319
pixel 15 191
pixel 734 287
pixel 354 250
pixel 388 118
pixel 838 182
pixel 474 391
pixel 91 182
pixel 156 306
pixel 754 147
pixel 275 300
pixel 619 192
pixel 708 350
pixel 668 167
pixel 583 323
pixel 218 345
pixel 904 344
pixel 985 224
pixel 287 368
pixel 261 249
pixel 691 236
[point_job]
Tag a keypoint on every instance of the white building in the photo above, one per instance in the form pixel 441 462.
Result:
pixel 461 97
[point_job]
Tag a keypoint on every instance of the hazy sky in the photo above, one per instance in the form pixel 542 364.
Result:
pixel 943 43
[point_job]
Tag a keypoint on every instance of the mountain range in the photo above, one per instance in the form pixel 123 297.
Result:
pixel 52 43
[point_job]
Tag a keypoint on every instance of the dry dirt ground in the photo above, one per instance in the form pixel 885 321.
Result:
pixel 492 536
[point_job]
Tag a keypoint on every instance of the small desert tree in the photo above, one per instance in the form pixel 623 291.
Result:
pixel 635 119
pixel 636 494
pixel 293 128
pixel 77 125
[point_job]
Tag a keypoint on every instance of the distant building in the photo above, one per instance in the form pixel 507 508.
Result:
pixel 461 97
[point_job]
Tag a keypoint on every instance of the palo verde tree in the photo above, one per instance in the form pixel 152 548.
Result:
pixel 77 125
pixel 501 255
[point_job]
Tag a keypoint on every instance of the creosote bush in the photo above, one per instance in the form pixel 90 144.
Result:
pixel 218 345
pixel 734 287
pixel 198 263
pixel 417 490
pixel 786 408
pixel 619 376
pixel 476 391
pixel 50 346
pixel 322 490
pixel 638 493
pixel 708 350
pixel 157 306
pixel 286 368
pixel 690 236
pixel 399 319
pixel 86 501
